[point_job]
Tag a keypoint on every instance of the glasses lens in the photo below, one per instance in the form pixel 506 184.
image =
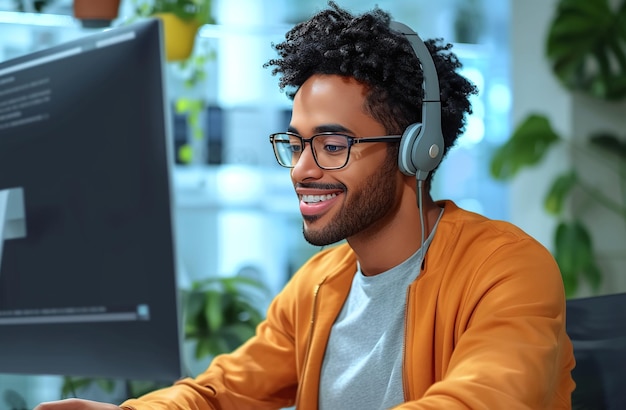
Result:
pixel 287 148
pixel 331 150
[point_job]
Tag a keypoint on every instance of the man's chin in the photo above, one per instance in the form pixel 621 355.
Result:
pixel 319 238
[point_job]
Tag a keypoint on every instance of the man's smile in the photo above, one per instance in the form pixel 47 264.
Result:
pixel 315 202
pixel 311 199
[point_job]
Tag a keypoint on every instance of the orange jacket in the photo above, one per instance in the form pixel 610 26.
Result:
pixel 485 329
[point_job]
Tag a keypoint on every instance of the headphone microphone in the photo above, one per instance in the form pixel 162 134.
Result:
pixel 422 145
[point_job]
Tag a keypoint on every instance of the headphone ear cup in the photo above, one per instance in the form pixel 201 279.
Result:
pixel 420 152
pixel 408 143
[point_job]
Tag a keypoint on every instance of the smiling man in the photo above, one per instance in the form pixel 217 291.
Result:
pixel 347 202
pixel 425 305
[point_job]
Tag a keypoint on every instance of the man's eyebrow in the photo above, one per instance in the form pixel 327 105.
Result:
pixel 324 128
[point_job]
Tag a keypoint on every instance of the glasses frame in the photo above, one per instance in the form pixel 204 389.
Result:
pixel 351 141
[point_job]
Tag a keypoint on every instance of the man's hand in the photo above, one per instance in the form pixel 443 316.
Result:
pixel 76 404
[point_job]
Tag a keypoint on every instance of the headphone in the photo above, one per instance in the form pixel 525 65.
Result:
pixel 422 145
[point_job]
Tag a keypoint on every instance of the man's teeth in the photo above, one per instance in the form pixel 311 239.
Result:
pixel 317 198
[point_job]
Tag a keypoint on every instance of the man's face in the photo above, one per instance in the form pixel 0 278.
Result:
pixel 358 199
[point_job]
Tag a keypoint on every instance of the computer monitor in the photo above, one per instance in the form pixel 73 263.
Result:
pixel 87 254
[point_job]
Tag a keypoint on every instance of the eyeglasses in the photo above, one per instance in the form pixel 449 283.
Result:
pixel 330 150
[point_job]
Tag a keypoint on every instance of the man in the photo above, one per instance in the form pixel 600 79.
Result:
pixel 426 306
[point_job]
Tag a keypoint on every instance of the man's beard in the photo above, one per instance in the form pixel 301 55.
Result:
pixel 364 206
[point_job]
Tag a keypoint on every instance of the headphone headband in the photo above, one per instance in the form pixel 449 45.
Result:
pixel 431 88
pixel 422 144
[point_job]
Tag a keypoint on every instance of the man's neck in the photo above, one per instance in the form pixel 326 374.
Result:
pixel 396 238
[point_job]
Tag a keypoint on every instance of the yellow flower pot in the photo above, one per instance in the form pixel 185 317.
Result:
pixel 179 36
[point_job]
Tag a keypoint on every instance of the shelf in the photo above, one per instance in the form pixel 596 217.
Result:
pixel 39 19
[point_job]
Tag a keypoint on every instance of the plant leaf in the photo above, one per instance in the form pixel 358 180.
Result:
pixel 559 192
pixel 593 275
pixel 586 46
pixel 106 385
pixel 203 348
pixel 140 387
pixel 609 143
pixel 574 255
pixel 527 146
pixel 227 318
pixel 185 153
pixel 72 385
pixel 213 309
pixel 198 10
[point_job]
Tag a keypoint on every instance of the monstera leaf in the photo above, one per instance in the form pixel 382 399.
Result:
pixel 529 143
pixel 586 46
pixel 575 256
pixel 610 144
pixel 558 194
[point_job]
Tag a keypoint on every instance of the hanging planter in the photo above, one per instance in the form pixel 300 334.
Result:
pixel 181 21
pixel 179 36
pixel 96 13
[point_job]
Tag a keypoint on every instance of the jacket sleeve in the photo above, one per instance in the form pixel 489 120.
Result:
pixel 261 374
pixel 511 350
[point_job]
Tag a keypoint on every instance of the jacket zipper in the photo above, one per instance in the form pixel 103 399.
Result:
pixel 309 339
pixel 405 383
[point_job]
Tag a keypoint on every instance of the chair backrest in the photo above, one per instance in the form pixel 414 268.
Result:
pixel 597 327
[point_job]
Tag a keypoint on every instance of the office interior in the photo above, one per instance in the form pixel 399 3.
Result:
pixel 235 209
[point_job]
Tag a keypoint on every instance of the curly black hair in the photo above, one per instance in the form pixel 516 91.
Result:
pixel 334 41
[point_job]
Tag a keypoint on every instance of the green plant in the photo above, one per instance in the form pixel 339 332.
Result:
pixel 586 47
pixel 192 106
pixel 198 11
pixel 222 313
pixel 219 314
pixel 188 10
pixel 132 388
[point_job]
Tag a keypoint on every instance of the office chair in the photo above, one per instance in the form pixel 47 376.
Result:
pixel 597 328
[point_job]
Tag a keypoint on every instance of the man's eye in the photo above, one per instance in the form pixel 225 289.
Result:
pixel 295 148
pixel 334 148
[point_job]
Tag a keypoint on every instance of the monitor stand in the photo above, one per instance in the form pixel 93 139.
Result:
pixel 12 216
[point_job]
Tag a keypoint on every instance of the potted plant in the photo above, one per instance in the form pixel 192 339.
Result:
pixel 586 47
pixel 191 104
pixel 96 14
pixel 181 21
pixel 219 314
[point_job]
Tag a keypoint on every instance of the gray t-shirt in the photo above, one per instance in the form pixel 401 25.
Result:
pixel 362 367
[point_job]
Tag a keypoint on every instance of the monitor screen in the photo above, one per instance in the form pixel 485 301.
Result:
pixel 87 254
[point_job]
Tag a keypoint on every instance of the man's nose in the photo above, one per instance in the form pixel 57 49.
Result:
pixel 305 166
